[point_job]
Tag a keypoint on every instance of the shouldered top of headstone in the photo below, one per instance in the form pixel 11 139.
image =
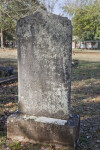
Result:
pixel 44 53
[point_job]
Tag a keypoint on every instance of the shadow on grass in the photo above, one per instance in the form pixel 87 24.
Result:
pixel 8 102
pixel 86 102
pixel 8 93
pixel 87 109
pixel 86 70
pixel 90 125
pixel 9 62
pixel 86 92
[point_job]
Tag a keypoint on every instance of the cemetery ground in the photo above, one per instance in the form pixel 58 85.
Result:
pixel 85 100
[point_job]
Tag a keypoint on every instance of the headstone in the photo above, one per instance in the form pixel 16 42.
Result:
pixel 44 65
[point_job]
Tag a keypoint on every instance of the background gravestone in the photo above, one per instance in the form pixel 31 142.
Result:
pixel 44 54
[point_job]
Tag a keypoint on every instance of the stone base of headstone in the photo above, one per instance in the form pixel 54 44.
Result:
pixel 51 131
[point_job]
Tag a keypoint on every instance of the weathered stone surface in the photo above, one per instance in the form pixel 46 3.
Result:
pixel 61 133
pixel 44 66
pixel 44 52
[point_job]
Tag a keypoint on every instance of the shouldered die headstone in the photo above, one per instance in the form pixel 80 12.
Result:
pixel 44 68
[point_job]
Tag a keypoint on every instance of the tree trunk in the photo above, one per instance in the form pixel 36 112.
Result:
pixel 1 38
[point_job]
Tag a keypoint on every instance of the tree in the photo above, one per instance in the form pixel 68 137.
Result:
pixel 86 22
pixel 11 11
pixel 71 7
pixel 6 22
pixel 86 19
pixel 49 4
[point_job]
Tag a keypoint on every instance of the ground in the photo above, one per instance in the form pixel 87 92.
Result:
pixel 85 100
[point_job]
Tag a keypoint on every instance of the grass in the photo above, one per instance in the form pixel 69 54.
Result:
pixel 85 101
pixel 87 55
pixel 8 58
pixel 85 97
pixel 85 50
pixel 86 70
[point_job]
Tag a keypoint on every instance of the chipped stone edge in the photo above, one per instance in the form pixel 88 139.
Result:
pixel 46 120
pixel 41 119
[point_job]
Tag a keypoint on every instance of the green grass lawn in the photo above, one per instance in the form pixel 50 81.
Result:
pixel 85 101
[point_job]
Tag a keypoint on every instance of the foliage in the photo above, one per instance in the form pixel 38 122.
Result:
pixel 85 18
pixel 49 4
pixel 97 35
pixel 12 10
pixel 72 6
